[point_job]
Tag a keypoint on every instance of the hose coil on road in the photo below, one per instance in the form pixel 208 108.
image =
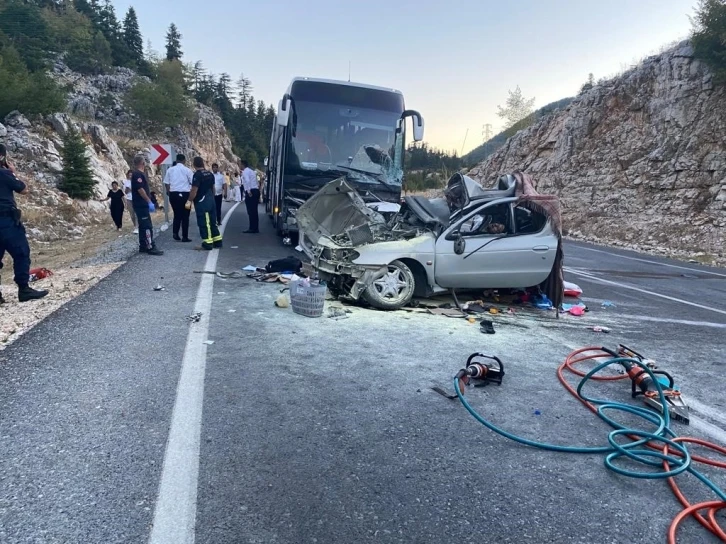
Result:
pixel 661 449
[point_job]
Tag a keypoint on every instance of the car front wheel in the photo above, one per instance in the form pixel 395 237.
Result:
pixel 391 288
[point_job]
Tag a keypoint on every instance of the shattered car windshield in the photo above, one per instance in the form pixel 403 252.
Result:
pixel 332 137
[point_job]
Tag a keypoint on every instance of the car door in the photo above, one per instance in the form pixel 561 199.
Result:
pixel 494 255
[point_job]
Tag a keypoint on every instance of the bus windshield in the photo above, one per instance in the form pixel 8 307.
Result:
pixel 356 135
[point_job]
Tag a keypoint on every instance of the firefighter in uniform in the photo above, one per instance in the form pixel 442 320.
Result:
pixel 202 194
pixel 12 232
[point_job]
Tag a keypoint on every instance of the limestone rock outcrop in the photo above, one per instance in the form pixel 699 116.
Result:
pixel 638 160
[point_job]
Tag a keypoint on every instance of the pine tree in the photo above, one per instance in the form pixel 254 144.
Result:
pixel 77 181
pixel 518 108
pixel 132 35
pixel 245 91
pixel 173 43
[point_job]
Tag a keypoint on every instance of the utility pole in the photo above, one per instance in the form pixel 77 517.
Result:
pixel 462 145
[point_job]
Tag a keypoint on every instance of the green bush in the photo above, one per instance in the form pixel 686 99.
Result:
pixel 162 103
pixel 29 93
pixel 158 105
pixel 709 36
pixel 77 181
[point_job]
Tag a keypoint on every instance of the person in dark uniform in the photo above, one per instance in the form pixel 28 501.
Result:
pixel 12 232
pixel 143 207
pixel 116 196
pixel 202 194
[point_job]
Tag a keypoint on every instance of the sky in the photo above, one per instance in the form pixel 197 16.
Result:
pixel 454 61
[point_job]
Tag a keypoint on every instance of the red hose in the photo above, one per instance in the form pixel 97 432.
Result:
pixel 592 353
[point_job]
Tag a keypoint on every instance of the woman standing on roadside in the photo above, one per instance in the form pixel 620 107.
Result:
pixel 116 196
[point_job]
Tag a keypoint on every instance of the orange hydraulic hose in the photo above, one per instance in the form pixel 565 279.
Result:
pixel 710 523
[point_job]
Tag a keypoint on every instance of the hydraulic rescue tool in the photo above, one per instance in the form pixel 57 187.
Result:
pixel 643 385
pixel 480 370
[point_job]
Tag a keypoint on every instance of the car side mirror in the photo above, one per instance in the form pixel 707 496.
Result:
pixel 459 244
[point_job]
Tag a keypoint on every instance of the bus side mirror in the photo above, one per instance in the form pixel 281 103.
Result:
pixel 418 124
pixel 283 111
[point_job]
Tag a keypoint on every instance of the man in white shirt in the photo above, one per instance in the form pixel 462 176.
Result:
pixel 220 188
pixel 129 198
pixel 178 183
pixel 252 196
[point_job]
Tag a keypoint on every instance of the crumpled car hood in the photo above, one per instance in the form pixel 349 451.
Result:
pixel 334 210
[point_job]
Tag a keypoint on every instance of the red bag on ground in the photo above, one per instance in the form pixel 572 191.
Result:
pixel 39 274
pixel 572 290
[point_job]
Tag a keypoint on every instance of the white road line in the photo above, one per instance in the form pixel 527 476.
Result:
pixel 707 411
pixel 176 506
pixel 598 279
pixel 706 428
pixel 710 324
pixel 653 262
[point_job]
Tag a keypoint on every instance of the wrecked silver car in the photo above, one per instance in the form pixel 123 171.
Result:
pixel 473 238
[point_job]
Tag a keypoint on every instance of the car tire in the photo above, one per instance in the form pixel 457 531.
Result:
pixel 392 288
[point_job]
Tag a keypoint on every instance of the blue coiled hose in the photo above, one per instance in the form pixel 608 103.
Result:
pixel 635 450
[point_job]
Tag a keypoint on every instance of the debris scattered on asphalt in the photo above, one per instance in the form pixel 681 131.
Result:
pixel 291 265
pixel 231 311
pixel 608 304
pixel 234 275
pixel 448 312
pixel 299 248
pixel 250 268
pixel 234 247
pixel 209 342
pixel 537 413
pixel 221 293
pixel 159 288
pixel 282 302
pixel 599 329
pixel 338 313
pixel 195 317
pixel 487 326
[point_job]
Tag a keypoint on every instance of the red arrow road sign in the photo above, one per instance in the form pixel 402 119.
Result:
pixel 160 154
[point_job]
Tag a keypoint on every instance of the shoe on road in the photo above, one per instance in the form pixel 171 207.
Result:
pixel 177 238
pixel 251 232
pixel 155 251
pixel 186 240
pixel 218 244
pixel 26 294
pixel 136 231
pixel 207 247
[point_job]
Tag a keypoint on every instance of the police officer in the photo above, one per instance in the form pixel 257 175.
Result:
pixel 202 194
pixel 143 207
pixel 12 232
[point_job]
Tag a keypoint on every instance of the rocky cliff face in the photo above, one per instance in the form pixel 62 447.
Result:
pixel 639 160
pixel 96 108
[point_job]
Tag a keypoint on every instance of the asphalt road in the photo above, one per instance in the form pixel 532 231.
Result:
pixel 287 429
